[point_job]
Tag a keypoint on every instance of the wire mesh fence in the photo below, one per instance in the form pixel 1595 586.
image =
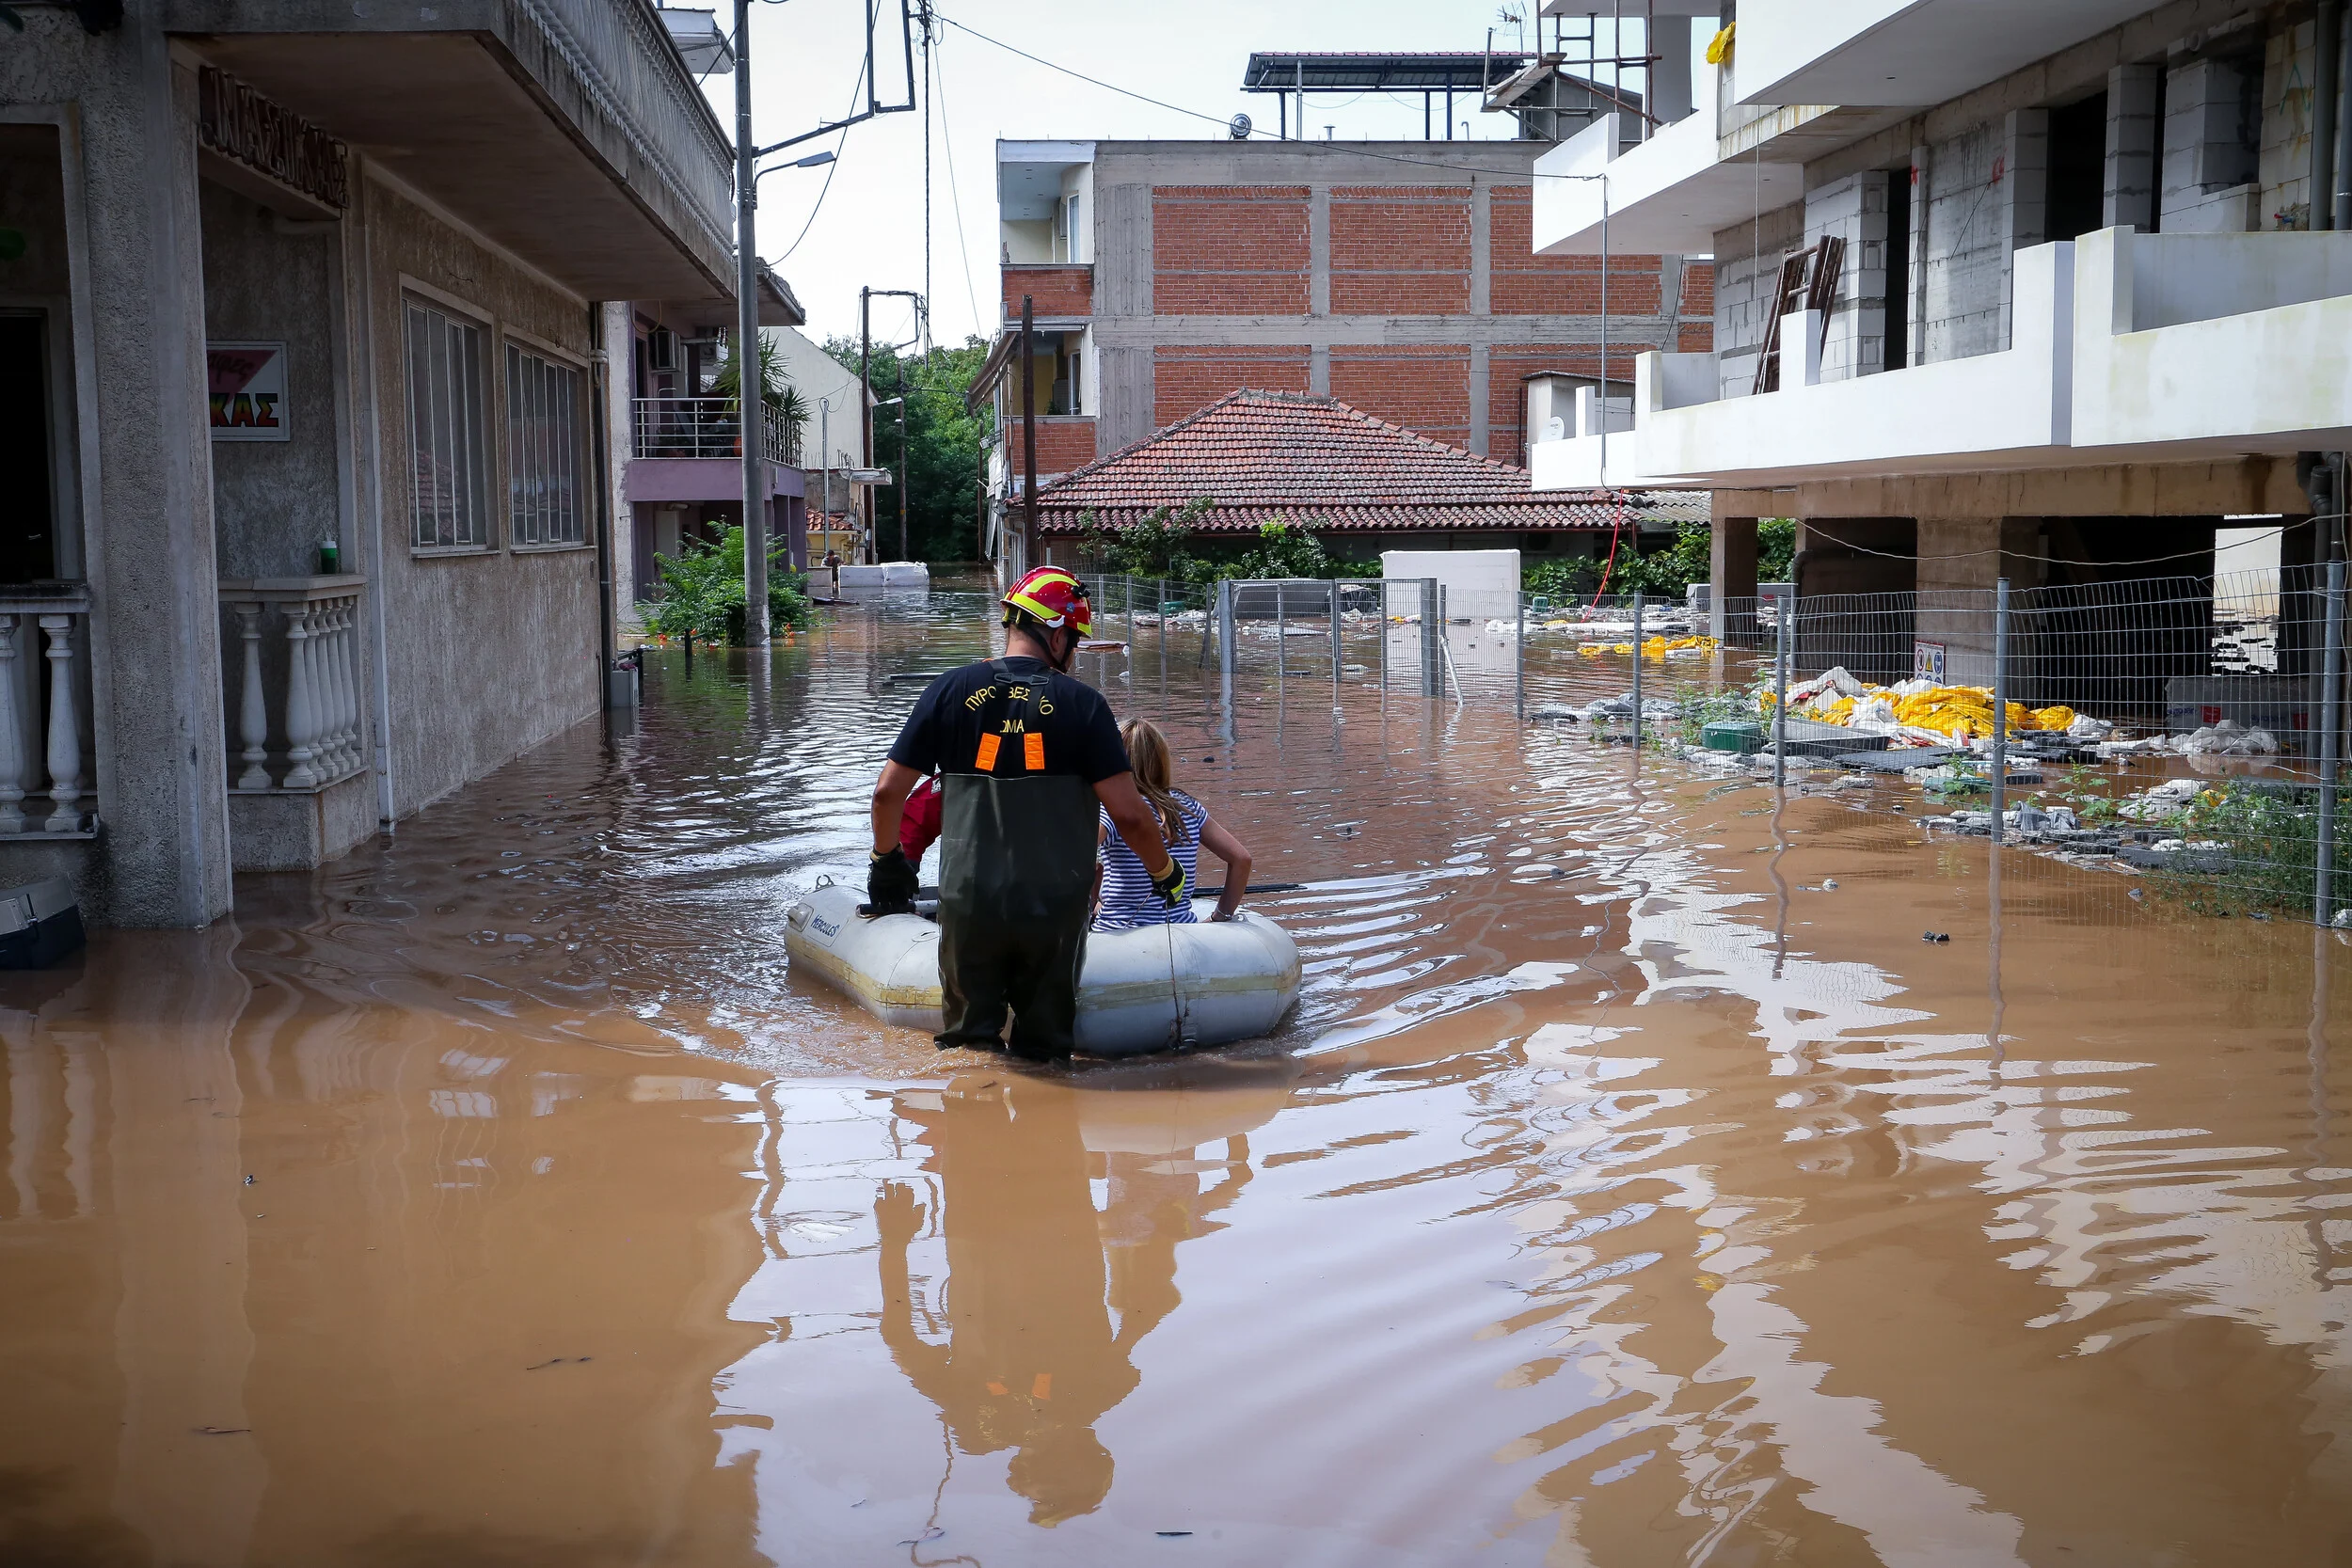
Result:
pixel 2187 729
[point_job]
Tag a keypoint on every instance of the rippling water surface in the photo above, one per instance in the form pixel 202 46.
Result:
pixel 1623 1192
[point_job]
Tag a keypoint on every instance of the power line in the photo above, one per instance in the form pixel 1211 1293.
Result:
pixel 955 197
pixel 831 169
pixel 1081 75
pixel 2254 536
pixel 1355 150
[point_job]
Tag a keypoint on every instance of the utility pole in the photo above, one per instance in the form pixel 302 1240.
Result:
pixel 750 388
pixel 1028 434
pixel 866 395
pixel 902 463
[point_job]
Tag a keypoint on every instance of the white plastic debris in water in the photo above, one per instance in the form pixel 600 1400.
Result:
pixel 2086 729
pixel 2228 740
pixel 2164 798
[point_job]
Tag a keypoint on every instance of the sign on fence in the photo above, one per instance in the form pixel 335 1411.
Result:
pixel 1927 661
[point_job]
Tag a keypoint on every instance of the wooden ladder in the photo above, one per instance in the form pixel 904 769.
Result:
pixel 1811 274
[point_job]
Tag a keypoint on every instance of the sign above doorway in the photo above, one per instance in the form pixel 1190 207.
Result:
pixel 247 387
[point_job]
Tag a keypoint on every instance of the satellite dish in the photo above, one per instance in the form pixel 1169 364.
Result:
pixel 1239 126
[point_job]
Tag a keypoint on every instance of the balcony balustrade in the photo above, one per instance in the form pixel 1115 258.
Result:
pixel 44 708
pixel 704 427
pixel 296 648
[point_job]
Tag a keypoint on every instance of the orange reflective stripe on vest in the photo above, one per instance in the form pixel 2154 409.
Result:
pixel 986 761
pixel 1033 752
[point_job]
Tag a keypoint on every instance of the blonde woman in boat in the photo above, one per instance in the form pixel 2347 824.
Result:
pixel 1127 900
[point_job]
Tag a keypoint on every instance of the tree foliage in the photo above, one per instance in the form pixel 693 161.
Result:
pixel 1668 571
pixel 944 448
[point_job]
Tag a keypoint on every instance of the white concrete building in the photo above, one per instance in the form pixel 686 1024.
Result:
pixel 2049 286
pixel 306 318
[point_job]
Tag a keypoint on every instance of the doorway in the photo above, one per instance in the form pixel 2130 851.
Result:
pixel 28 523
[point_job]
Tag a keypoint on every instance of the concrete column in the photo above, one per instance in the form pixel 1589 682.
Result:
pixel 615 335
pixel 1960 561
pixel 1481 409
pixel 1482 249
pixel 162 748
pixel 1319 250
pixel 1670 77
pixel 1915 316
pixel 2131 177
pixel 2204 152
pixel 2025 197
pixel 1318 372
pixel 1731 568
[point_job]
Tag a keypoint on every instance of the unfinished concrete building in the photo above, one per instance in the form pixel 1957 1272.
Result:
pixel 2029 290
pixel 1400 277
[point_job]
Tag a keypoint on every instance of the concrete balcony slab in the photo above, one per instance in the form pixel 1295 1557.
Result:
pixel 2212 342
pixel 1668 195
pixel 2013 409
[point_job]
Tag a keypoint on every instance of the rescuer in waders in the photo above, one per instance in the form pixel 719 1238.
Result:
pixel 1026 752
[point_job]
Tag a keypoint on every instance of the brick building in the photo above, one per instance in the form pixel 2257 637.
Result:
pixel 1400 277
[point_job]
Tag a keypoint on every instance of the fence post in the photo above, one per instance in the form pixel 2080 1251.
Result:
pixel 1783 612
pixel 2330 693
pixel 1282 643
pixel 1445 640
pixel 1432 607
pixel 1384 639
pixel 1337 653
pixel 1637 669
pixel 2000 705
pixel 1519 659
pixel 1226 652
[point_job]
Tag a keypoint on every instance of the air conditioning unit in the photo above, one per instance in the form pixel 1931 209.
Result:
pixel 661 349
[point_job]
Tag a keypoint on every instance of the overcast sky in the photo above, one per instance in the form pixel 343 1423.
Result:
pixel 866 229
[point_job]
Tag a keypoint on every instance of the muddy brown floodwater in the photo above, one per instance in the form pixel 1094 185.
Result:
pixel 1622 1193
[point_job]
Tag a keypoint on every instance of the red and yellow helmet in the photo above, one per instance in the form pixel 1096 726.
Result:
pixel 1053 597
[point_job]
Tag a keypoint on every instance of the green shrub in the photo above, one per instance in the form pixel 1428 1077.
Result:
pixel 1164 543
pixel 702 592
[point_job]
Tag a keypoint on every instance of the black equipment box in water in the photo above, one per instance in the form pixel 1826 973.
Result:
pixel 39 923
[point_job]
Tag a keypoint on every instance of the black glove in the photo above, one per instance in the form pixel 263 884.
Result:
pixel 1169 884
pixel 890 884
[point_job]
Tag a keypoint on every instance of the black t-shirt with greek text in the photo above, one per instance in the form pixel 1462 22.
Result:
pixel 1069 720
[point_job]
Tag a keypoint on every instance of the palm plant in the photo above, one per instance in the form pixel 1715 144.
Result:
pixel 786 410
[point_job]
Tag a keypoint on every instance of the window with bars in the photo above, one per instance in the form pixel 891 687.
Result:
pixel 449 490
pixel 544 449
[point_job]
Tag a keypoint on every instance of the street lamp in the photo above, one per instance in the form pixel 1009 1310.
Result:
pixel 900 403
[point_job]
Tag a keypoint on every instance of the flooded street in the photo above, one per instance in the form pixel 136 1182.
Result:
pixel 1621 1191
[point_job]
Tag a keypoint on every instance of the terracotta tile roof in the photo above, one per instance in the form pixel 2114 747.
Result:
pixel 1318 462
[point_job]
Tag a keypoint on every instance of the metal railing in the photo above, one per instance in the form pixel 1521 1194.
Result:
pixel 702 427
pixel 2187 729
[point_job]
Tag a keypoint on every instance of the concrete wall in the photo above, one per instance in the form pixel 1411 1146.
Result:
pixel 264 279
pixel 2231 153
pixel 1747 267
pixel 1408 290
pixel 487 653
pixel 126 154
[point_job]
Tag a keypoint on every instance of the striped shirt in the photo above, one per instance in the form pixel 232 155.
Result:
pixel 1128 902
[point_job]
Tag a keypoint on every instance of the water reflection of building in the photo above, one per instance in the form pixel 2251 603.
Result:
pixel 293 1280
pixel 2070 1248
pixel 1045 1298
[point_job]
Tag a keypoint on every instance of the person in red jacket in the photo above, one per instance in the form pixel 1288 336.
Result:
pixel 918 829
